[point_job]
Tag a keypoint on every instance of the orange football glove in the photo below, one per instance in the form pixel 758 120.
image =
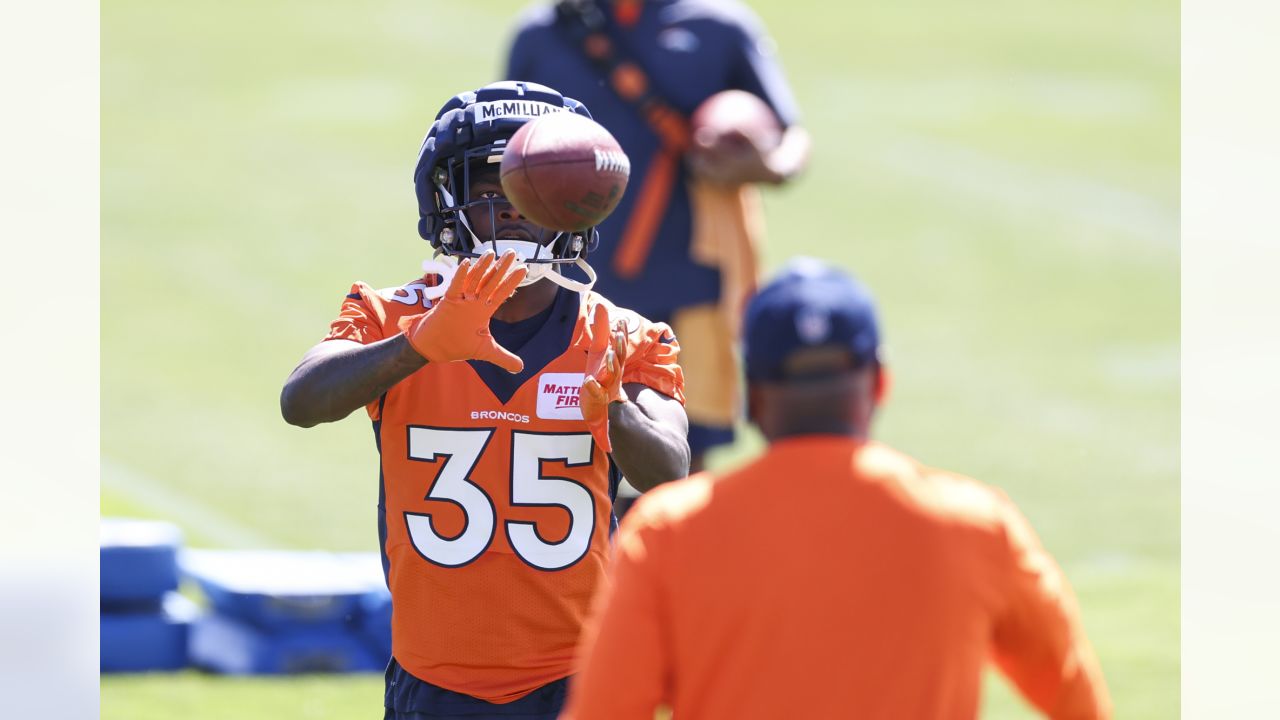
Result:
pixel 602 384
pixel 457 327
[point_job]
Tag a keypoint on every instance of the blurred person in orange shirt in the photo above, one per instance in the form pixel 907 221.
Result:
pixel 833 576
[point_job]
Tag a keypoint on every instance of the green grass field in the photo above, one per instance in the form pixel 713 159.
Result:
pixel 1004 175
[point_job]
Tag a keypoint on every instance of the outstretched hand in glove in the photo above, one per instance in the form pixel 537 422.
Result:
pixel 457 327
pixel 602 385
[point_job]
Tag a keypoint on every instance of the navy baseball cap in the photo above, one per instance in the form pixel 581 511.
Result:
pixel 811 320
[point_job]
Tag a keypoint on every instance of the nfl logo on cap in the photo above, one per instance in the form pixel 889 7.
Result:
pixel 813 325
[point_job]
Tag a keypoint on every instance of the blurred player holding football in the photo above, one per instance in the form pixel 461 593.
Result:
pixel 507 402
pixel 685 241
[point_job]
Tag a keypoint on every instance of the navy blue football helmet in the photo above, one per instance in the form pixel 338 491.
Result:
pixel 470 132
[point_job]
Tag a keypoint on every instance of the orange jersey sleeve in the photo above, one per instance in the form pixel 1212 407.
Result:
pixel 1039 641
pixel 368 315
pixel 652 353
pixel 362 317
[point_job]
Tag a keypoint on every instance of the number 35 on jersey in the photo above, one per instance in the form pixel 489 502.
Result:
pixel 532 484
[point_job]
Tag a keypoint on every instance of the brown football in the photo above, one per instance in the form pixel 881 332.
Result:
pixel 564 171
pixel 737 110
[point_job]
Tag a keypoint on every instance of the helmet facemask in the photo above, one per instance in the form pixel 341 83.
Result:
pixel 476 225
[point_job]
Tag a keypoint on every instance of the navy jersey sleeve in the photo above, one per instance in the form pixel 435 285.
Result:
pixel 523 46
pixel 758 70
pixel 517 67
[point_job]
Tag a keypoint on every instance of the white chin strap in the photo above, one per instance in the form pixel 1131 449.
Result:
pixel 569 283
pixel 446 266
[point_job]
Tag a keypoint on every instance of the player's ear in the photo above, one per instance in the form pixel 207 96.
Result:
pixel 882 383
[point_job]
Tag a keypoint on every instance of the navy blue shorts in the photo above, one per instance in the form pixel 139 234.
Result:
pixel 704 437
pixel 408 698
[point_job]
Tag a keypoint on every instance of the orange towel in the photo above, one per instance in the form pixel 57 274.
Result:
pixel 728 232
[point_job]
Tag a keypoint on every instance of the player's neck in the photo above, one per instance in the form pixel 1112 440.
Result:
pixel 804 429
pixel 527 302
pixel 835 405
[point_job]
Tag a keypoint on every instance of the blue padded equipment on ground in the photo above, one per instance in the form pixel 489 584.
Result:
pixel 226 645
pixel 284 612
pixel 274 589
pixel 375 620
pixel 149 640
pixel 137 562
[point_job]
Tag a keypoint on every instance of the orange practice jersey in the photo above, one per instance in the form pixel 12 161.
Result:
pixel 496 502
pixel 830 579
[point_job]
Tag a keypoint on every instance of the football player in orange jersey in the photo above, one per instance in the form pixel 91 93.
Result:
pixel 508 400
pixel 833 577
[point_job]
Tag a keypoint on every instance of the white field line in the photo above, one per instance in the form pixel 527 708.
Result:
pixel 975 175
pixel 183 511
